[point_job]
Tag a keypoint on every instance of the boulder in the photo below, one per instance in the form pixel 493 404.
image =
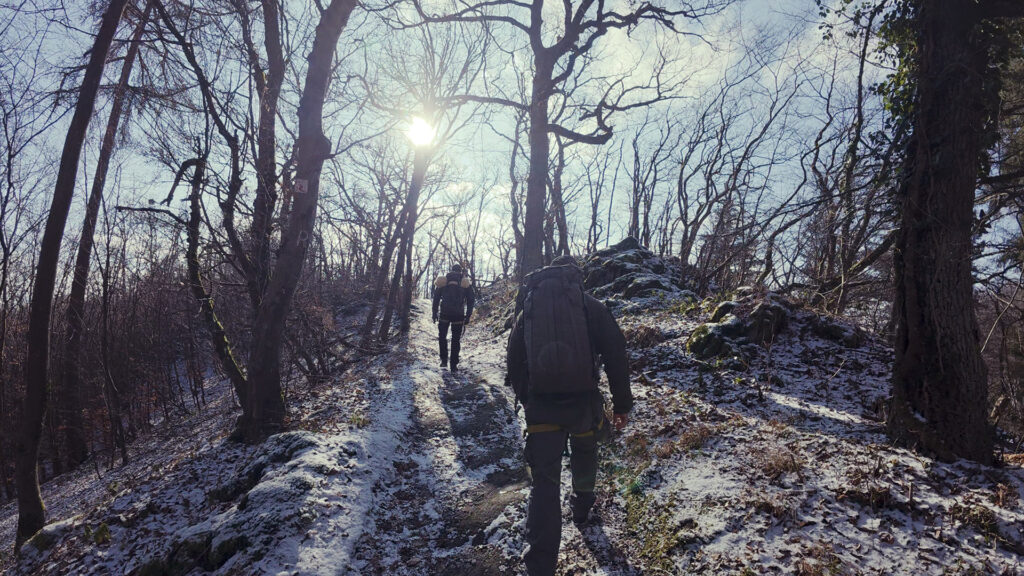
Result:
pixel 723 309
pixel 717 338
pixel 627 257
pixel 766 320
pixel 636 285
pixel 832 329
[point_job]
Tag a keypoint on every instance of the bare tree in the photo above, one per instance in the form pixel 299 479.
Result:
pixel 71 398
pixel 31 515
pixel 559 56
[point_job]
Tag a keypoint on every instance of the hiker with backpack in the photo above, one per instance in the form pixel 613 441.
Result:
pixel 558 340
pixel 453 298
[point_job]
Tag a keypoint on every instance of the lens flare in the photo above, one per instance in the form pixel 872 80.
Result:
pixel 420 132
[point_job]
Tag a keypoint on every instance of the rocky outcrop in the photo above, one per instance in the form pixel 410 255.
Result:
pixel 627 272
pixel 832 329
pixel 604 267
pixel 714 339
pixel 627 277
pixel 744 321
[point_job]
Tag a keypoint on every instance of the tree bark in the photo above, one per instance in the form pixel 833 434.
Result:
pixel 266 159
pixel 420 163
pixel 31 515
pixel 940 388
pixel 264 409
pixel 536 182
pixel 77 450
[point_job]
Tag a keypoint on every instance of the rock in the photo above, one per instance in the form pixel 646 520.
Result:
pixel 744 291
pixel 766 320
pixel 831 329
pixel 723 309
pixel 607 266
pixel 648 285
pixel 716 339
pixel 278 448
pixel 627 243
pixel 636 285
pixel 644 336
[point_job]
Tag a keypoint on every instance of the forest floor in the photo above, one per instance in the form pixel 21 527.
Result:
pixel 770 462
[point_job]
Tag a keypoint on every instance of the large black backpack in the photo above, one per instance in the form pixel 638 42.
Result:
pixel 559 355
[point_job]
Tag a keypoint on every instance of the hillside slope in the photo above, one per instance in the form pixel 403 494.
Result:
pixel 755 447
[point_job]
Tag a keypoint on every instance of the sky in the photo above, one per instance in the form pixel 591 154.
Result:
pixel 477 154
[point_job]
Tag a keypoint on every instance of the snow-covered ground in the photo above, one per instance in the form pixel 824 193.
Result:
pixel 773 462
pixel 397 467
pixel 777 463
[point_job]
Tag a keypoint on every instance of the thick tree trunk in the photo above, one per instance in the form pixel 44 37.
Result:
pixel 264 409
pixel 940 389
pixel 31 515
pixel 536 183
pixel 77 450
pixel 266 159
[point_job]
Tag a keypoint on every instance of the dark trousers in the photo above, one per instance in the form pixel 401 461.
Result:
pixel 544 515
pixel 442 339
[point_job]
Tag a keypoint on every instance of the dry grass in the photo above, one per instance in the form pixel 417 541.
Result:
pixel 821 560
pixel 976 516
pixel 1014 459
pixel 778 508
pixel 644 336
pixel 1005 496
pixel 692 438
pixel 637 445
pixel 779 460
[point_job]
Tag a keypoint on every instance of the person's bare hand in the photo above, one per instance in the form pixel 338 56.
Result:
pixel 619 421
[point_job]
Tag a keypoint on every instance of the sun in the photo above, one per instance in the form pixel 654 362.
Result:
pixel 420 132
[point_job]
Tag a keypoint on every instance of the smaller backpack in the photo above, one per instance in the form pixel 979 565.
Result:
pixel 559 354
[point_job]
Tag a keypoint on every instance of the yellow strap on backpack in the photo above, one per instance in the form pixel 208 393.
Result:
pixel 541 428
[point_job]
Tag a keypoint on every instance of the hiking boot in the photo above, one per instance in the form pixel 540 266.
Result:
pixel 444 363
pixel 581 503
pixel 454 368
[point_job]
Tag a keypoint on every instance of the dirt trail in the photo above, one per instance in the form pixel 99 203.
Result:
pixel 458 472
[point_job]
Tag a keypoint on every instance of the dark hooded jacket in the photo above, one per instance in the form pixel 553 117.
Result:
pixel 572 411
pixel 457 293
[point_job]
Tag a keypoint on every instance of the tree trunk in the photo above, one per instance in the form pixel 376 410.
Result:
pixel 558 203
pixel 264 410
pixel 420 163
pixel 77 449
pixel 218 336
pixel 381 280
pixel 31 515
pixel 940 389
pixel 266 159
pixel 536 183
pixel 109 388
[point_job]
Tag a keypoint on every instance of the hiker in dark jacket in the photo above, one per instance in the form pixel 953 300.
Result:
pixel 453 297
pixel 553 419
